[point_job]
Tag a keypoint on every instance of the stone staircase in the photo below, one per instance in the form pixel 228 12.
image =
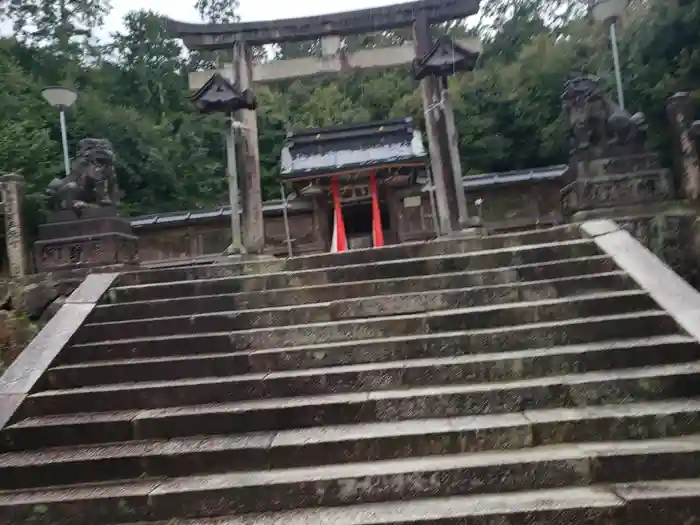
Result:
pixel 514 379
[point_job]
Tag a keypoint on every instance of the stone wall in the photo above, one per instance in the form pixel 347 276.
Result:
pixel 213 238
pixel 411 215
pixel 517 206
pixel 673 235
pixel 505 207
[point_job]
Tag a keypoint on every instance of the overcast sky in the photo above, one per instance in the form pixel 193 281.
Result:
pixel 250 10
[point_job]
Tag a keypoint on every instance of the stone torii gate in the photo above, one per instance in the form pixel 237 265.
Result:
pixel 330 29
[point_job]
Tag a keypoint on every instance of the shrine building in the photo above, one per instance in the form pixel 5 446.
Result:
pixel 329 174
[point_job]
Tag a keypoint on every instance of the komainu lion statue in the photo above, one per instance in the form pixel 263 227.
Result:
pixel 595 120
pixel 92 181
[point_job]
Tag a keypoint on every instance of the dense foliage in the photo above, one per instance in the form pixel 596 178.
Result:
pixel 133 90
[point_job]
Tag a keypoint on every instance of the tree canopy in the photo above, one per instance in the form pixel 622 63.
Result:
pixel 133 91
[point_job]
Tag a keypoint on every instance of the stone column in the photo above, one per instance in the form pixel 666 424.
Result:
pixel 253 228
pixel 680 110
pixel 12 196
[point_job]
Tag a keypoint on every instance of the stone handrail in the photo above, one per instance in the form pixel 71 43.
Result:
pixel 29 368
pixel 680 300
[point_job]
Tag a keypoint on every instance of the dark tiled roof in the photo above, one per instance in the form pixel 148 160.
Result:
pixel 512 177
pixel 200 216
pixel 315 152
pixel 486 180
pixel 446 58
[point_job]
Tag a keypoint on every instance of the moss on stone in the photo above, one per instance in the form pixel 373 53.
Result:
pixel 16 331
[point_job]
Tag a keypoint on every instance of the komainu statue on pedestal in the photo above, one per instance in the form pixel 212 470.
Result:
pixel 92 182
pixel 595 120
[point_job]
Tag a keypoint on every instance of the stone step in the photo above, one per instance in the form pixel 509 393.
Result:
pixel 572 390
pixel 436 248
pixel 363 483
pixel 314 324
pixel 124 308
pixel 496 366
pixel 673 502
pixel 234 279
pixel 347 443
pixel 560 332
pixel 407 251
pixel 353 306
pixel 261 288
pixel 511 366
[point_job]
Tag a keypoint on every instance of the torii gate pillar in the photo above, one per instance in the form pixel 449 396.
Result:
pixel 253 225
pixel 442 140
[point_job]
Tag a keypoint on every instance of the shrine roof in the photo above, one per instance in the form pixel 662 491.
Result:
pixel 179 218
pixel 513 177
pixel 503 178
pixel 312 153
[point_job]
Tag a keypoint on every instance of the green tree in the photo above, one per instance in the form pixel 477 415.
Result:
pixel 218 11
pixel 151 65
pixel 64 24
pixel 170 158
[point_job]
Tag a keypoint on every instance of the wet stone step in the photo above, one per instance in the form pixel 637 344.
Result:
pixel 348 444
pixel 389 254
pixel 362 378
pixel 415 478
pixel 536 335
pixel 574 390
pixel 314 324
pixel 358 300
pixel 259 451
pixel 377 482
pixel 495 366
pixel 674 502
pixel 274 290
pixel 278 277
pixel 436 248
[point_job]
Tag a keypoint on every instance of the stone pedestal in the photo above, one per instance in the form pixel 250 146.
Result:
pixel 617 181
pixel 98 238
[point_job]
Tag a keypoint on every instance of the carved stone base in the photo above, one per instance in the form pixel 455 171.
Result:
pixel 617 181
pixel 85 243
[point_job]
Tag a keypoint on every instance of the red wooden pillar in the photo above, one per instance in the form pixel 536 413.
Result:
pixel 377 231
pixel 339 240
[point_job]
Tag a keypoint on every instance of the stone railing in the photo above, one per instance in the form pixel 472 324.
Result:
pixel 666 288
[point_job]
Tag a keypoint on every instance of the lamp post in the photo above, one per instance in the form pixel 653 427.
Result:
pixel 609 12
pixel 61 98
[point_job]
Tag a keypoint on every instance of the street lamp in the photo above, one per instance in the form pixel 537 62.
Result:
pixel 61 98
pixel 609 12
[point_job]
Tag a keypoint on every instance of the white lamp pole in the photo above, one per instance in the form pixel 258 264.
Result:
pixel 609 12
pixel 62 98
